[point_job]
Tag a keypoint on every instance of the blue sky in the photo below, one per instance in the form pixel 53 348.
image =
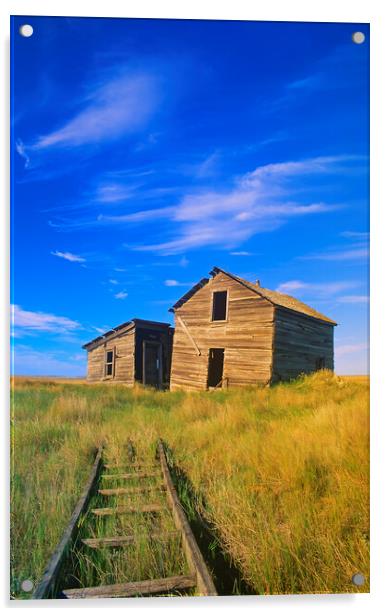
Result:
pixel 146 151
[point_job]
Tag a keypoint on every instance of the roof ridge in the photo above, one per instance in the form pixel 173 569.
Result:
pixel 110 333
pixel 289 299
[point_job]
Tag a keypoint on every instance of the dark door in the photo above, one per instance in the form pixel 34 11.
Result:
pixel 215 367
pixel 152 364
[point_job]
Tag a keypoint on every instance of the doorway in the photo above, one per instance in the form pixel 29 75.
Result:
pixel 215 367
pixel 152 363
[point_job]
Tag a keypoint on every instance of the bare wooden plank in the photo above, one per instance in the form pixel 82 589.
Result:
pixel 192 552
pixel 136 466
pixel 46 586
pixel 119 540
pixel 187 332
pixel 132 589
pixel 133 490
pixel 129 509
pixel 137 475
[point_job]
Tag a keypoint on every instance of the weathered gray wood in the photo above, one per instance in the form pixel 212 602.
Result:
pixel 129 509
pixel 126 340
pixel 187 332
pixel 133 466
pixel 46 586
pixel 134 490
pixel 118 541
pixel 192 552
pixel 138 475
pixel 266 336
pixel 132 589
pixel 299 342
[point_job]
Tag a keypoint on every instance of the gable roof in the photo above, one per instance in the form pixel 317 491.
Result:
pixel 127 326
pixel 277 299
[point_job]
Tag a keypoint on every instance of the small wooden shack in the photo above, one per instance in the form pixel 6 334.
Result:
pixel 137 350
pixel 229 331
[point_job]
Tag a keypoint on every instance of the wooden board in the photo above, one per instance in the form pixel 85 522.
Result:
pixel 138 466
pixel 118 541
pixel 46 586
pixel 193 555
pixel 152 508
pixel 132 589
pixel 133 490
pixel 137 475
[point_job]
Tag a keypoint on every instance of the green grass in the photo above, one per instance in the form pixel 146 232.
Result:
pixel 281 474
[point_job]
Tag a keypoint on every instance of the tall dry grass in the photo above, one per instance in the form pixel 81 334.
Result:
pixel 282 474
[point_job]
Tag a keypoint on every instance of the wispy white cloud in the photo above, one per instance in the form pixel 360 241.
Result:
pixel 68 256
pixel 342 254
pixel 288 169
pixel 114 192
pixel 176 283
pixel 119 103
pixel 30 361
pixel 241 253
pixel 21 150
pixel 258 201
pixel 356 235
pixel 121 295
pixel 25 321
pixel 335 71
pixel 354 299
pixel 101 330
pixel 346 349
pixel 301 287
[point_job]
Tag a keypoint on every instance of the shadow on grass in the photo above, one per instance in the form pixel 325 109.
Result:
pixel 227 578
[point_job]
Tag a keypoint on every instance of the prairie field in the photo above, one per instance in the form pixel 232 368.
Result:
pixel 278 477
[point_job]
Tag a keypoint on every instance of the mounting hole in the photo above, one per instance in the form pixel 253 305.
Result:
pixel 358 38
pixel 358 579
pixel 27 585
pixel 26 30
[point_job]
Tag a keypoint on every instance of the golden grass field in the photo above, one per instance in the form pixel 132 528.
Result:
pixel 280 475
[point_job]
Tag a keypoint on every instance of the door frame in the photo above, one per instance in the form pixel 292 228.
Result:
pixel 157 344
pixel 223 366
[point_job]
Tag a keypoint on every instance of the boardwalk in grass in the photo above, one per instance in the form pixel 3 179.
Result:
pixel 133 538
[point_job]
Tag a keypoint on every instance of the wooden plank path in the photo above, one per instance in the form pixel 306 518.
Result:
pixel 196 579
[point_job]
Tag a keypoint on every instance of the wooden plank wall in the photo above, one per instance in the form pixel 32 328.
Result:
pixel 124 362
pixel 299 341
pixel 246 336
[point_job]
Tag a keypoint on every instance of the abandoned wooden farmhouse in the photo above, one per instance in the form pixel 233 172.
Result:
pixel 137 350
pixel 230 332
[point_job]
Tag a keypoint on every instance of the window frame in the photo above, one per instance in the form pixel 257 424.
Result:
pixel 109 363
pixel 212 320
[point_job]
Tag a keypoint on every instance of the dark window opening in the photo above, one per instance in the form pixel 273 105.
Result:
pixel 215 367
pixel 219 309
pixel 320 363
pixel 109 363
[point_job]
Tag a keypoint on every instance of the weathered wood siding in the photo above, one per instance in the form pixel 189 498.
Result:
pixel 299 342
pixel 124 345
pixel 246 336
